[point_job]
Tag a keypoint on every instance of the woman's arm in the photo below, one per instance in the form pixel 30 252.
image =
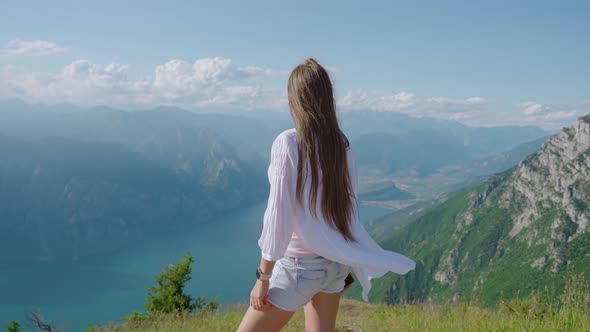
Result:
pixel 265 266
pixel 278 218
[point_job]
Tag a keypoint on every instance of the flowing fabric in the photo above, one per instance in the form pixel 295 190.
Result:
pixel 283 217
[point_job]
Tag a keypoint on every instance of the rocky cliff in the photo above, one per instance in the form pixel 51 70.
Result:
pixel 520 230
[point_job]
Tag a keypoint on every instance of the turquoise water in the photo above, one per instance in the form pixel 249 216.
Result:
pixel 74 295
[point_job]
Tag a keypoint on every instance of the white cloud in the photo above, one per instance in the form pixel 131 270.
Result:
pixel 81 82
pixel 205 72
pixel 460 116
pixel 409 103
pixel 530 107
pixel 561 115
pixel 450 102
pixel 178 78
pixel 475 111
pixel 21 48
pixel 376 102
pixel 205 82
pixel 219 83
pixel 552 116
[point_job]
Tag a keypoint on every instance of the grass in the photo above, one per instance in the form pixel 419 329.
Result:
pixel 359 316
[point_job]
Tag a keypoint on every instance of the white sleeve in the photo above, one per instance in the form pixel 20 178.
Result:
pixel 278 218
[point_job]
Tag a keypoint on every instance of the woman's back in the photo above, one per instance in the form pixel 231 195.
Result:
pixel 284 216
pixel 297 247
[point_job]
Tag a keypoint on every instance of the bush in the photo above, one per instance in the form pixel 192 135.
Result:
pixel 208 306
pixel 135 317
pixel 168 295
pixel 530 308
pixel 13 326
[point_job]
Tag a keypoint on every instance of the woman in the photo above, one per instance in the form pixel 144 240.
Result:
pixel 311 228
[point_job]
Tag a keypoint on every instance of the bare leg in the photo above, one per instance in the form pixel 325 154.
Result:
pixel 271 320
pixel 320 312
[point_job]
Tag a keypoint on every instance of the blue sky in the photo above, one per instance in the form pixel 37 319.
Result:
pixel 481 63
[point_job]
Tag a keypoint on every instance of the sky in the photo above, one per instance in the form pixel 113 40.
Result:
pixel 482 63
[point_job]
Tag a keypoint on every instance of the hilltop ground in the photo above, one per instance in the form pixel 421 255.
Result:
pixel 360 316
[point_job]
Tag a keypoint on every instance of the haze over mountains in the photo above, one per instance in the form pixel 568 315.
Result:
pixel 477 141
pixel 83 183
pixel 78 182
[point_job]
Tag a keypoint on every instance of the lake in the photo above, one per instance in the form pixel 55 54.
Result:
pixel 76 294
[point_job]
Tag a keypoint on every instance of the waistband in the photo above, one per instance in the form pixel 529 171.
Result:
pixel 307 261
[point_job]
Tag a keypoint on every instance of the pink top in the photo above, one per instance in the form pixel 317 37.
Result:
pixel 297 248
pixel 289 228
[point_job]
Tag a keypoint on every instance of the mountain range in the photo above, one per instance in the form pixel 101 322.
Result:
pixel 76 182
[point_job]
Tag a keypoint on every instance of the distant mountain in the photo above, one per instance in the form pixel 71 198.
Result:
pixel 478 141
pixel 388 142
pixel 378 132
pixel 421 151
pixel 251 137
pixel 251 133
pixel 520 230
pixel 66 199
pixel 78 183
pixel 479 169
pixel 182 141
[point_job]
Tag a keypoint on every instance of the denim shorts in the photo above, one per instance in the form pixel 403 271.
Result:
pixel 295 280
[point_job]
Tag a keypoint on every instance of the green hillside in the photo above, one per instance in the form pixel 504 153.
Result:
pixel 521 230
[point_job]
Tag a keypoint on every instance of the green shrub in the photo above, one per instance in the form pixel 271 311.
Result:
pixel 530 308
pixel 168 295
pixel 134 317
pixel 201 304
pixel 13 326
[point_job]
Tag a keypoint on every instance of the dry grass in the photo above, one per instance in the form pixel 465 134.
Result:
pixel 570 312
pixel 359 316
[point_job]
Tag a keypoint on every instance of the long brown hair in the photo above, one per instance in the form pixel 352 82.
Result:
pixel 313 109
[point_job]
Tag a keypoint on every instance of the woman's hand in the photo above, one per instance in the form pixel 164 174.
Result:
pixel 345 288
pixel 347 283
pixel 258 295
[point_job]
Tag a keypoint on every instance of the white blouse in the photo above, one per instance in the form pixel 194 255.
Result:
pixel 283 217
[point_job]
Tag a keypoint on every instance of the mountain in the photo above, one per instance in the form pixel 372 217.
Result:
pixel 176 139
pixel 518 231
pixel 478 169
pixel 479 142
pixel 66 199
pixel 456 177
pixel 252 132
pixel 422 151
pixel 82 182
pixel 388 142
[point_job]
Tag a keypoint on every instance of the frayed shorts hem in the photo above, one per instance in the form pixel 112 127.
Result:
pixel 282 307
